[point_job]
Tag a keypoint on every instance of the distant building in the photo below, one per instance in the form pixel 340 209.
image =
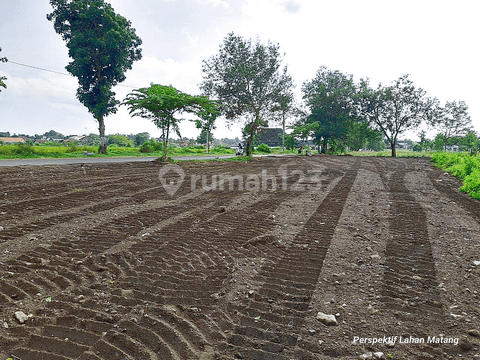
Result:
pixel 453 148
pixel 12 140
pixel 270 136
pixel 77 138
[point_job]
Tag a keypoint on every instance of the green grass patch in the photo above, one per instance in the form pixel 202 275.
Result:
pixel 24 151
pixel 388 153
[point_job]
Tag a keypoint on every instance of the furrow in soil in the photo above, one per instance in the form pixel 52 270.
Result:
pixel 264 328
pixel 410 283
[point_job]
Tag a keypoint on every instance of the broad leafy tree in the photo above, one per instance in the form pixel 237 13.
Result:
pixel 52 134
pixel 141 138
pixel 103 46
pixel 330 98
pixel 396 108
pixel 3 78
pixel 247 78
pixel 360 135
pixel 119 140
pixel 453 121
pixel 470 141
pixel 162 105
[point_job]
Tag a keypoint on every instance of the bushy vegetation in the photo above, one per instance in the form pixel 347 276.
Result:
pixel 464 166
pixel 150 146
pixel 29 151
pixel 222 149
pixel 263 148
pixel 120 140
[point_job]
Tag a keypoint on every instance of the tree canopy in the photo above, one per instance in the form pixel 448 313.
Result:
pixel 247 78
pixel 285 107
pixel 360 136
pixel 161 104
pixel 453 120
pixel 103 46
pixel 330 98
pixel 396 108
pixel 206 123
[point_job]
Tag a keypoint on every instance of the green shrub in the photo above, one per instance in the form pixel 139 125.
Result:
pixel 465 167
pixel 263 148
pixel 471 184
pixel 417 148
pixel 151 146
pixel 146 147
pixel 220 149
pixel 72 148
pixel 24 149
pixel 119 140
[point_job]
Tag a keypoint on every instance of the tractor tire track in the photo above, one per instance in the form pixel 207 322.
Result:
pixel 410 283
pixel 265 324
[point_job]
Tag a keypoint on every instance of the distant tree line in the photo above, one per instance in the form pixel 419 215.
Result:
pixel 246 82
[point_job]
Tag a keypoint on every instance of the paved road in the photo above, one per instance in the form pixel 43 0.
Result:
pixel 30 162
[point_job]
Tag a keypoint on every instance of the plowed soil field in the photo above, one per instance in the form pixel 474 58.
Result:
pixel 234 260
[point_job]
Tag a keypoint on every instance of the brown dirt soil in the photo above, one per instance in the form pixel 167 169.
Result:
pixel 109 266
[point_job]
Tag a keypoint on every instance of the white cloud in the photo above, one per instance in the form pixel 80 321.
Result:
pixel 56 88
pixel 193 40
pixel 183 76
pixel 292 6
pixel 215 3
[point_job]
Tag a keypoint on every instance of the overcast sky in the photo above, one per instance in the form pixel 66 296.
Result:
pixel 435 41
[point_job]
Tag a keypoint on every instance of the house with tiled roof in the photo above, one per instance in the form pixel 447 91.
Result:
pixel 12 140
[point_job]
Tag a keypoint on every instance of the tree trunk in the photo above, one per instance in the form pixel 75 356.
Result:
pixel 324 147
pixel 283 134
pixel 208 139
pixel 248 147
pixel 394 151
pixel 165 144
pixel 103 140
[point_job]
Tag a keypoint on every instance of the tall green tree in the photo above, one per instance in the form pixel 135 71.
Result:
pixel 424 144
pixel 330 97
pixel 285 107
pixel 396 108
pixel 52 134
pixel 470 141
pixel 119 140
pixel 247 78
pixel 3 78
pixel 360 135
pixel 453 121
pixel 205 138
pixel 162 105
pixel 141 138
pixel 103 46
pixel 206 123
